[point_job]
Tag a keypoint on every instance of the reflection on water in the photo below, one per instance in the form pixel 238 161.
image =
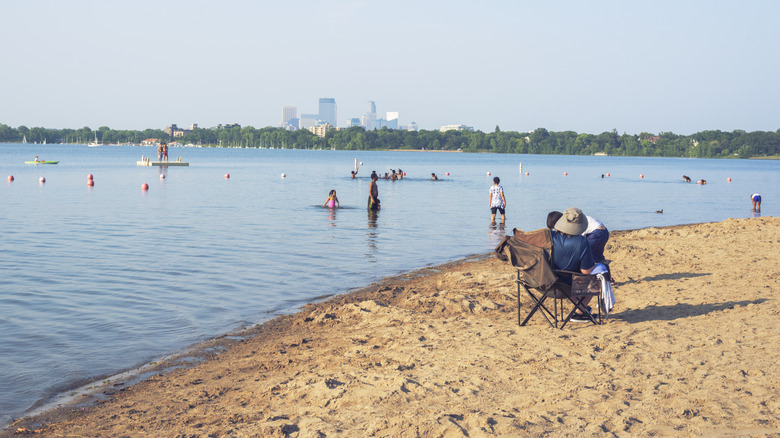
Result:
pixel 496 232
pixel 332 217
pixel 372 234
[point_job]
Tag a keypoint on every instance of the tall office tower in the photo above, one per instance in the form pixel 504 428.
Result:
pixel 328 111
pixel 370 117
pixel 288 113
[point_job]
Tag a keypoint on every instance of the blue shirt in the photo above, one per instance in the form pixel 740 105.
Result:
pixel 571 253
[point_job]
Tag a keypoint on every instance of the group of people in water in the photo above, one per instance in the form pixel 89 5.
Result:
pixel 373 191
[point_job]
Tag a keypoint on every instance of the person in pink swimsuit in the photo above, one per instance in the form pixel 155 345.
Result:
pixel 332 201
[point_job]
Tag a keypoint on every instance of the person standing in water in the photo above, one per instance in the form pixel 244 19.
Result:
pixel 756 198
pixel 497 201
pixel 373 193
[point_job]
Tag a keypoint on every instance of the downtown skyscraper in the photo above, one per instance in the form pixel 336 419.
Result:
pixel 328 111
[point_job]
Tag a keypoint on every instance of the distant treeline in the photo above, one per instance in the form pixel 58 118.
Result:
pixel 705 144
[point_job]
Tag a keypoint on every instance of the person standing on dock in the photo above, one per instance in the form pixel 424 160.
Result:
pixel 159 151
pixel 164 152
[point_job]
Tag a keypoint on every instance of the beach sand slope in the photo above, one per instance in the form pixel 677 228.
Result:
pixel 691 349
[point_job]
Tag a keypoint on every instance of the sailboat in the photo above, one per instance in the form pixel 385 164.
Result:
pixel 94 143
pixel 24 139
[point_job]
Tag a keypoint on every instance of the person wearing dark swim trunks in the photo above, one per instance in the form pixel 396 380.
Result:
pixel 497 201
pixel 373 193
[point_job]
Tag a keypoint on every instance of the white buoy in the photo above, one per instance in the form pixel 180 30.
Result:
pixel 283 175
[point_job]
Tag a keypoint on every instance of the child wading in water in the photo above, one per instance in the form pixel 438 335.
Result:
pixel 332 201
pixel 497 200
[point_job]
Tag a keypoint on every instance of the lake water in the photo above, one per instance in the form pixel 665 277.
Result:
pixel 97 280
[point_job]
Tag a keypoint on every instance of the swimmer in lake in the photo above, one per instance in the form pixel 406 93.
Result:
pixel 701 181
pixel 686 178
pixel 434 177
pixel 332 201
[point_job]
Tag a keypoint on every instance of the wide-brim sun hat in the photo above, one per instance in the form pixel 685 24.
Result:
pixel 572 222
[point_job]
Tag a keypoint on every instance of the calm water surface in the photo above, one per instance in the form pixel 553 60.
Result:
pixel 96 280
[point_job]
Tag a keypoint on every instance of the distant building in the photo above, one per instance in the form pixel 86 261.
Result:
pixel 328 111
pixel 175 131
pixel 354 122
pixel 288 114
pixel 292 124
pixel 370 115
pixel 412 127
pixel 308 121
pixel 446 128
pixel 321 130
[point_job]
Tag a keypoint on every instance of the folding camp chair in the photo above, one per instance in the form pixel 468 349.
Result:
pixel 531 254
pixel 563 296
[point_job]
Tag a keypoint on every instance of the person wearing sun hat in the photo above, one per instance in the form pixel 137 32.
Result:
pixel 571 250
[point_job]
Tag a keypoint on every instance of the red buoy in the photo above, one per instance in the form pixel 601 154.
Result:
pixel 144 186
pixel 90 182
pixel 227 176
pixel 89 177
pixel 42 179
pixel 10 178
pixel 565 173
pixel 641 175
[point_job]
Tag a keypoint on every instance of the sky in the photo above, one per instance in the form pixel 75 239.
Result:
pixel 633 66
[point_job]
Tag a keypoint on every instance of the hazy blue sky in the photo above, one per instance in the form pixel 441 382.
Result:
pixel 586 66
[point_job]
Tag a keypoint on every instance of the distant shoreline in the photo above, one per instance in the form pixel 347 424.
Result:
pixel 418 150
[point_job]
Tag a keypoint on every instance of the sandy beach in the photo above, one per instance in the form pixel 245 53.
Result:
pixel 690 350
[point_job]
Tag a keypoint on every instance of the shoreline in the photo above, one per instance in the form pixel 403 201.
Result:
pixel 87 393
pixel 438 350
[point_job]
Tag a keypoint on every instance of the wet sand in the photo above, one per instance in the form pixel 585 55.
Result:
pixel 691 349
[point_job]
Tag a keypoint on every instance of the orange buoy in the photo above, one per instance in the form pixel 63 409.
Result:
pixel 89 177
pixel 526 174
pixel 227 176
pixel 10 178
pixel 728 179
pixel 565 173
pixel 607 174
pixel 447 173
pixel 144 186
pixel 90 182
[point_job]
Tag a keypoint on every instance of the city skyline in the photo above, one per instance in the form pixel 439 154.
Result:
pixel 592 67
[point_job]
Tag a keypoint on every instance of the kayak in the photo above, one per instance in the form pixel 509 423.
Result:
pixel 41 162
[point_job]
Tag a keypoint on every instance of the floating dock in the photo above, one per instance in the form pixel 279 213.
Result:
pixel 145 161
